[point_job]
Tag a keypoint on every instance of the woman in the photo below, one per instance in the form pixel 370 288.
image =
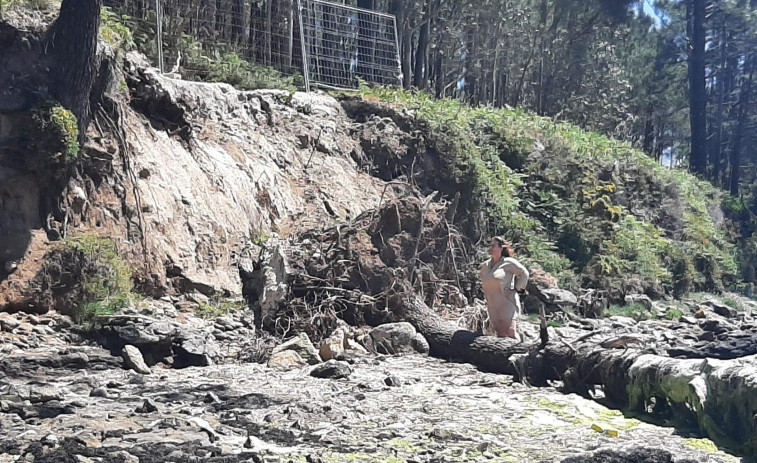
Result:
pixel 502 277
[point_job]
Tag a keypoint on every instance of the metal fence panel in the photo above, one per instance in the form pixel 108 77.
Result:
pixel 342 43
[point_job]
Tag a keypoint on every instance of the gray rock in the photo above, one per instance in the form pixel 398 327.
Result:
pixel 716 325
pixel 639 299
pixel 44 394
pixel 9 322
pixel 420 344
pixel 286 360
pixel 397 339
pixel 332 369
pixel 148 406
pixel 392 381
pixel 99 392
pixel 211 398
pixel 555 296
pixel 139 331
pixel 721 309
pixel 196 349
pixel 134 360
pixel 302 345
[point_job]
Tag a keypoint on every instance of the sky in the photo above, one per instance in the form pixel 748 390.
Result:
pixel 649 9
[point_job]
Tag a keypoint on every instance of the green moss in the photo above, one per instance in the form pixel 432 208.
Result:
pixel 701 444
pixel 635 311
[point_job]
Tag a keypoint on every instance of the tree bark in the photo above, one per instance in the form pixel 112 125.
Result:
pixel 741 123
pixel 72 43
pixel 717 153
pixel 421 51
pixel 697 91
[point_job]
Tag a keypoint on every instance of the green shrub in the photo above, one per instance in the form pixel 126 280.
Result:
pixel 54 131
pixel 673 314
pixel 106 280
pixel 115 30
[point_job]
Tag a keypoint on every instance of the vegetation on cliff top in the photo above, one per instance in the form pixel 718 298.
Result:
pixel 593 211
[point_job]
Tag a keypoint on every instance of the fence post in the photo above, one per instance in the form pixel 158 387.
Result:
pixel 305 60
pixel 159 33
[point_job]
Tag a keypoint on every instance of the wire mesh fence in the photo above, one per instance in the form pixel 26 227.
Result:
pixel 266 43
pixel 343 43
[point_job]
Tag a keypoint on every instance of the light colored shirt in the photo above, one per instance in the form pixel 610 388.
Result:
pixel 500 281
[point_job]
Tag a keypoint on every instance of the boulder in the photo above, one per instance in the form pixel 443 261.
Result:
pixel 398 338
pixel 721 309
pixel 197 349
pixel 302 345
pixel 134 360
pixel 286 360
pixel 332 369
pixel 356 346
pixel 334 345
pixel 148 406
pixel 551 296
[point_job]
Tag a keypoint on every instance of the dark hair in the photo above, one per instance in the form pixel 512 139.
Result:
pixel 503 243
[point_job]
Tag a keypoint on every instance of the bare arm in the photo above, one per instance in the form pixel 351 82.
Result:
pixel 520 272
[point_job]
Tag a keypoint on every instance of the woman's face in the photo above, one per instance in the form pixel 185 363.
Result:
pixel 495 250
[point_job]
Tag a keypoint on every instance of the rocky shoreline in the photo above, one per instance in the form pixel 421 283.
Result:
pixel 64 397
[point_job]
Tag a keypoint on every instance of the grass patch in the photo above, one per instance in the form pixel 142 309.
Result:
pixel 701 444
pixel 733 302
pixel 635 311
pixel 219 306
pixel 673 314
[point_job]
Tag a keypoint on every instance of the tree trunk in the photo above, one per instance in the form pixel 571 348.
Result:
pixel 421 51
pixel 407 56
pixel 717 152
pixel 72 42
pixel 743 113
pixel 448 341
pixel 697 91
pixel 649 131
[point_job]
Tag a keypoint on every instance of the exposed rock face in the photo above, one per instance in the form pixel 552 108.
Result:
pixel 208 169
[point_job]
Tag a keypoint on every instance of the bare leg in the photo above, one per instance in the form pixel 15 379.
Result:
pixel 510 329
pixel 505 328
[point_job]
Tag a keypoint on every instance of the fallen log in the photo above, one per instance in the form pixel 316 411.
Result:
pixel 717 397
